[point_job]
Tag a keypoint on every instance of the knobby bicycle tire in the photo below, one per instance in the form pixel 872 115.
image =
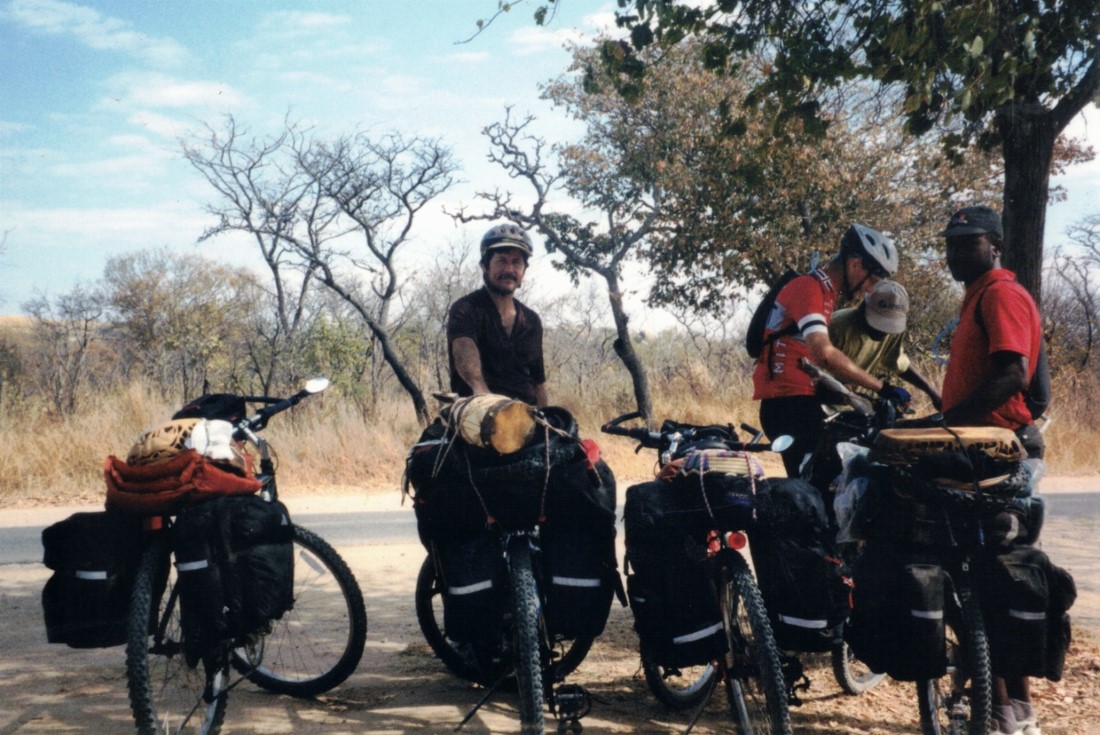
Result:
pixel 852 674
pixel 960 702
pixel 428 591
pixel 318 643
pixel 459 658
pixel 166 695
pixel 755 685
pixel 679 688
pixel 525 634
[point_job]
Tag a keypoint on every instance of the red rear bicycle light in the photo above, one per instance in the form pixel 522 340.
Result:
pixel 736 540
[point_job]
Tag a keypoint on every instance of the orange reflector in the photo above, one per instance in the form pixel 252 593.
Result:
pixel 736 540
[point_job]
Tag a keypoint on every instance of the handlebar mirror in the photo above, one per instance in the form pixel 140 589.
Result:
pixel 782 443
pixel 316 385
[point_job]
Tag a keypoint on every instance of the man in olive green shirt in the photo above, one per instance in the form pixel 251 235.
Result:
pixel 871 334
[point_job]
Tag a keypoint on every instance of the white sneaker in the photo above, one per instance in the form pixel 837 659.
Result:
pixel 1004 721
pixel 998 731
pixel 1025 717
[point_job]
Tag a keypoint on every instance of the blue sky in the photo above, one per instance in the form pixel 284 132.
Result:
pixel 94 96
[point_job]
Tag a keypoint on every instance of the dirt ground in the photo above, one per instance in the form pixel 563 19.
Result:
pixel 401 688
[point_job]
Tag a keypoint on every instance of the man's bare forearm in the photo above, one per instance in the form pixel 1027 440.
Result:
pixel 468 364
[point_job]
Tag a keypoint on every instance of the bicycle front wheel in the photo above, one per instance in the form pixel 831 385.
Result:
pixel 166 694
pixel 318 643
pixel 525 636
pixel 961 701
pixel 754 680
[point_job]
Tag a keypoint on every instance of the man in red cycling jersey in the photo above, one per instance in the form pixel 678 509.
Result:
pixel 993 355
pixel 798 327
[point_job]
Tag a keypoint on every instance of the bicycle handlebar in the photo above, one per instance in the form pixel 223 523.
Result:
pixel 258 421
pixel 673 434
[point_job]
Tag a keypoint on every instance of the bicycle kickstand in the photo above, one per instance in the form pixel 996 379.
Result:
pixel 473 711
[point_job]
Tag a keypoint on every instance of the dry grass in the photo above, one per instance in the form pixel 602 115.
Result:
pixel 325 445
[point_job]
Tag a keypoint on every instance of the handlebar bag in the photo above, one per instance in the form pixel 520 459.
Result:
pixel 235 561
pixel 94 558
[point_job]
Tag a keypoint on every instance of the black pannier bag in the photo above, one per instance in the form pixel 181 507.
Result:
pixel 1024 600
pixel 473 592
pixel 800 577
pixel 95 557
pixel 579 575
pixel 235 564
pixel 676 612
pixel 897 621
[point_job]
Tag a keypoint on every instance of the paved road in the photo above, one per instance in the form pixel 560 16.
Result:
pixel 21 544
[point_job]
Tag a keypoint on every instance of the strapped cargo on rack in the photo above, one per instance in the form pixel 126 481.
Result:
pixel 168 486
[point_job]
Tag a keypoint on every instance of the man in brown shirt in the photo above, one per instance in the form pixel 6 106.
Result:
pixel 494 342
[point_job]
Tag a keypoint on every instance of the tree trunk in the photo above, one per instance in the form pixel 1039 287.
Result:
pixel 624 348
pixel 1028 134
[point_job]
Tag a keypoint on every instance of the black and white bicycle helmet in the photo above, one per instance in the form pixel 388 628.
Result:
pixel 506 235
pixel 877 250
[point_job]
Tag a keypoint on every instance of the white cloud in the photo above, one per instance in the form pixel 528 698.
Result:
pixel 530 40
pixel 9 128
pixel 162 125
pixel 138 90
pixel 289 23
pixel 96 31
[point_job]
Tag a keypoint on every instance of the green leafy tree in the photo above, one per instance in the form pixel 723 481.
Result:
pixel 1008 74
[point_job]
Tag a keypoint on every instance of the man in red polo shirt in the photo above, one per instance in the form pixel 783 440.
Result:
pixel 996 346
pixel 993 355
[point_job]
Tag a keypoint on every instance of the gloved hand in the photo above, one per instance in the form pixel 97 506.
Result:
pixel 898 396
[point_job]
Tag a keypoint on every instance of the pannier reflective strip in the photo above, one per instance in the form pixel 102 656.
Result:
pixel 90 575
pixel 698 635
pixel 1025 615
pixel 576 581
pixel 191 566
pixel 803 623
pixel 927 614
pixel 470 589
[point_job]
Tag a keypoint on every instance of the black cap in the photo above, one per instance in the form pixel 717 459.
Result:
pixel 974 221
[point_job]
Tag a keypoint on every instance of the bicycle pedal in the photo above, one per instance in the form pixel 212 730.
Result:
pixel 571 703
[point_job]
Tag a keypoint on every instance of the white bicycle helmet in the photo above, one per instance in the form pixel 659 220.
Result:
pixel 506 235
pixel 872 246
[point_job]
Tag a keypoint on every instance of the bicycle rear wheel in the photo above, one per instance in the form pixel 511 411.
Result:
pixel 961 701
pixel 318 643
pixel 565 656
pixel 167 695
pixel 852 674
pixel 526 619
pixel 679 687
pixel 755 686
